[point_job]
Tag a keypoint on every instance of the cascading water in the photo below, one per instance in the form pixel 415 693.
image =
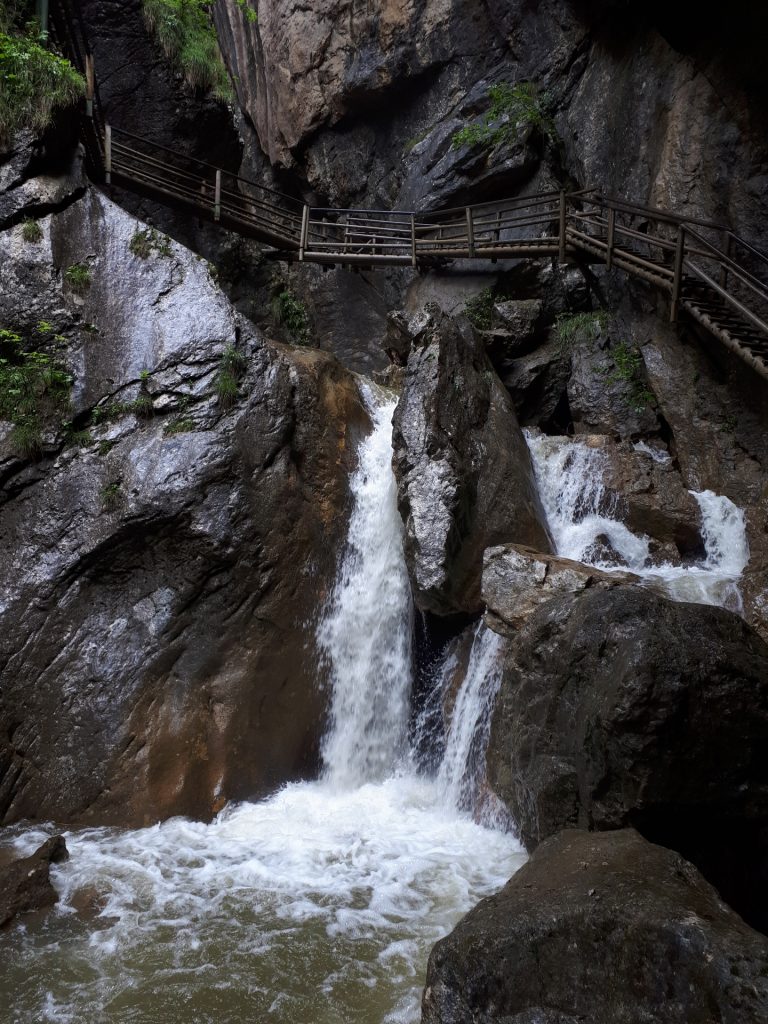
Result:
pixel 316 906
pixel 366 631
pixel 570 482
pixel 462 771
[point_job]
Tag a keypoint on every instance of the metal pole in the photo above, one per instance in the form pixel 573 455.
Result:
pixel 90 84
pixel 108 152
pixel 562 226
pixel 304 233
pixel 217 197
pixel 611 235
pixel 677 283
pixel 413 239
pixel 41 10
pixel 470 233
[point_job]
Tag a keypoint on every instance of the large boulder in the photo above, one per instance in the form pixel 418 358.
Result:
pixel 518 580
pixel 25 883
pixel 162 569
pixel 622 707
pixel 598 928
pixel 465 480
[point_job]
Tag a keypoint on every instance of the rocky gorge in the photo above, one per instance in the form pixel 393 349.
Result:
pixel 388 643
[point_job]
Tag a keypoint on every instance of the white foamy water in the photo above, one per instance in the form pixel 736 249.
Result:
pixel 569 476
pixel 462 772
pixel 316 906
pixel 365 633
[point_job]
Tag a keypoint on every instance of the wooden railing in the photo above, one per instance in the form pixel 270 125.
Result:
pixel 707 270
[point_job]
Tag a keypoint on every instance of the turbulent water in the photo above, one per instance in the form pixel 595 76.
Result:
pixel 317 906
pixel 580 514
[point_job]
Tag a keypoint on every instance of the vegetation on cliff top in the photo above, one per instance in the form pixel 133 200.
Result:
pixel 185 32
pixel 33 81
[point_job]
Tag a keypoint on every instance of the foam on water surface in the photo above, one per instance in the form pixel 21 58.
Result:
pixel 316 906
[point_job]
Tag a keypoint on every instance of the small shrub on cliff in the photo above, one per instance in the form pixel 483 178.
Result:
pixel 479 309
pixel 629 364
pixel 510 107
pixel 142 405
pixel 248 12
pixel 34 393
pixel 110 495
pixel 231 369
pixel 572 327
pixel 77 438
pixel 33 82
pixel 146 241
pixel 291 314
pixel 185 32
pixel 180 425
pixel 31 231
pixel 78 277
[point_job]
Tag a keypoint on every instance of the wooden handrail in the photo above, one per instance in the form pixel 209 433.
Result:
pixel 583 223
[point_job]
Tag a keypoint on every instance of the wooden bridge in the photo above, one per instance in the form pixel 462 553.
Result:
pixel 706 270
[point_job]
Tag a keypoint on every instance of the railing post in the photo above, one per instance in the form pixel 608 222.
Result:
pixel 677 283
pixel 41 10
pixel 413 239
pixel 611 236
pixel 108 152
pixel 90 84
pixel 304 232
pixel 562 225
pixel 470 234
pixel 727 239
pixel 217 197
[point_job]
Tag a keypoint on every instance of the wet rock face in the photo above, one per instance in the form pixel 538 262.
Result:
pixel 620 707
pixel 25 884
pixel 600 927
pixel 156 627
pixel 304 66
pixel 463 469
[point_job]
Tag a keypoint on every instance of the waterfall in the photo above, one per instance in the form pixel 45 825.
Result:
pixel 365 633
pixel 324 899
pixel 462 771
pixel 579 512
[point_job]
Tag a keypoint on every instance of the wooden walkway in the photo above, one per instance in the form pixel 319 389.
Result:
pixel 705 269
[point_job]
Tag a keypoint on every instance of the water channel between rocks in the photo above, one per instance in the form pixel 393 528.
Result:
pixel 318 905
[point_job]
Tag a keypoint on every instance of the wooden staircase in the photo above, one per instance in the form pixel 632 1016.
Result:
pixel 710 273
